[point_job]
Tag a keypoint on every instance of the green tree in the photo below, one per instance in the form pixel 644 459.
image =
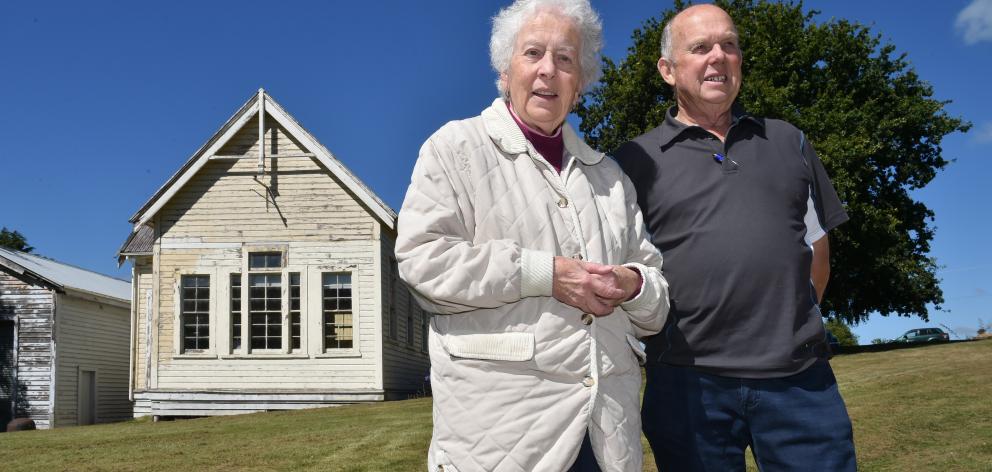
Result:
pixel 14 240
pixel 873 120
pixel 842 332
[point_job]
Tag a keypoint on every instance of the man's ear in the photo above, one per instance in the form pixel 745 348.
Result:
pixel 667 70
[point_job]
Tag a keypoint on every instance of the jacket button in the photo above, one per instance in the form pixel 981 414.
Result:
pixel 588 381
pixel 577 257
pixel 562 202
pixel 587 319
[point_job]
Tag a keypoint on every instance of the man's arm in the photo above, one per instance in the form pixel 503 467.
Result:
pixel 820 270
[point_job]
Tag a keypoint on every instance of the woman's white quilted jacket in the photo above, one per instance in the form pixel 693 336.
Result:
pixel 518 377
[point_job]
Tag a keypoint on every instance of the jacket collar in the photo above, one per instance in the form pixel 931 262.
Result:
pixel 671 128
pixel 507 135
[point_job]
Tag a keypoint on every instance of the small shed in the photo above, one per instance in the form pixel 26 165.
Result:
pixel 64 343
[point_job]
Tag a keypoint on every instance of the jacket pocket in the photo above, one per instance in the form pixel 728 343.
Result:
pixel 635 346
pixel 490 346
pixel 443 463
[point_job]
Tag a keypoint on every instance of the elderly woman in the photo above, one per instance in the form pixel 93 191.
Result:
pixel 529 246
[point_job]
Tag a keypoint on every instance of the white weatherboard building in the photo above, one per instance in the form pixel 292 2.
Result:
pixel 265 279
pixel 63 343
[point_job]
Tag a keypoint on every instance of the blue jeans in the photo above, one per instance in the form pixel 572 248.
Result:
pixel 701 422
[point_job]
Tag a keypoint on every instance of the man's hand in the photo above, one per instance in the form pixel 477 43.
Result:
pixel 593 288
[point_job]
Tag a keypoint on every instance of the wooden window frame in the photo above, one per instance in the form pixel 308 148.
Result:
pixel 325 311
pixel 313 325
pixel 295 339
pixel 394 319
pixel 184 315
pixel 425 322
pixel 409 319
pixel 284 271
pixel 239 310
pixel 178 335
pixel 267 314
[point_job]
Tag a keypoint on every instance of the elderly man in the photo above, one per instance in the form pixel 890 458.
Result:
pixel 739 206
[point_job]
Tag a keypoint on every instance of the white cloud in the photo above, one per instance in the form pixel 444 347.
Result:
pixel 975 22
pixel 983 133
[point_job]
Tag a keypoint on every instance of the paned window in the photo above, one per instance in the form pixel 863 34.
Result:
pixel 393 318
pixel 294 309
pixel 409 320
pixel 264 260
pixel 265 310
pixel 336 306
pixel 424 329
pixel 195 312
pixel 235 311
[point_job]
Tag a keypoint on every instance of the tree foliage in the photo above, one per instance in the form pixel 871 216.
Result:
pixel 14 240
pixel 842 332
pixel 873 121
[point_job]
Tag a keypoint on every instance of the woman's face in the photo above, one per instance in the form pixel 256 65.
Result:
pixel 544 75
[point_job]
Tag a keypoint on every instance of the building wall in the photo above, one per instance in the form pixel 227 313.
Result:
pixel 31 306
pixel 405 361
pixel 95 336
pixel 226 211
pixel 143 307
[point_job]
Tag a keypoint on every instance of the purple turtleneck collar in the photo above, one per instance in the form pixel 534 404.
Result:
pixel 552 148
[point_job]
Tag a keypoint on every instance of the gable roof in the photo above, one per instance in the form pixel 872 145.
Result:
pixel 275 111
pixel 63 276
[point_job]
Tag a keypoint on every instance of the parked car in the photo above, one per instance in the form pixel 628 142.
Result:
pixel 923 335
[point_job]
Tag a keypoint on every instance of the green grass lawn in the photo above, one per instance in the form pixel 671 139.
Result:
pixel 920 409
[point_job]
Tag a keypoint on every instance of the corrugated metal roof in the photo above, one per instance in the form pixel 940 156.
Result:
pixel 139 242
pixel 68 276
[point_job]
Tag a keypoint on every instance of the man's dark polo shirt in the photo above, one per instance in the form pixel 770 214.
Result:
pixel 731 234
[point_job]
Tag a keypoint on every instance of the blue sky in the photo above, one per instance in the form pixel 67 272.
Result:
pixel 103 101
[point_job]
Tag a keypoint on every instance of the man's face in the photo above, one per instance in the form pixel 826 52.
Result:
pixel 705 67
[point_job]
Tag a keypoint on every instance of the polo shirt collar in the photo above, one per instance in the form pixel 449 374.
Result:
pixel 672 127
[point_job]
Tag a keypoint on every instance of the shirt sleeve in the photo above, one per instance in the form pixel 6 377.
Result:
pixel 639 167
pixel 647 311
pixel 447 271
pixel 827 205
pixel 814 231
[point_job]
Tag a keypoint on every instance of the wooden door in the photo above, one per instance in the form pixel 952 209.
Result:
pixel 87 397
pixel 7 378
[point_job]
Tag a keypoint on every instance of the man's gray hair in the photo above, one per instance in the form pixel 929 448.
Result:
pixel 510 20
pixel 666 37
pixel 666 40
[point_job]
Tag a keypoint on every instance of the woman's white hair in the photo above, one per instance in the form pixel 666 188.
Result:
pixel 510 20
